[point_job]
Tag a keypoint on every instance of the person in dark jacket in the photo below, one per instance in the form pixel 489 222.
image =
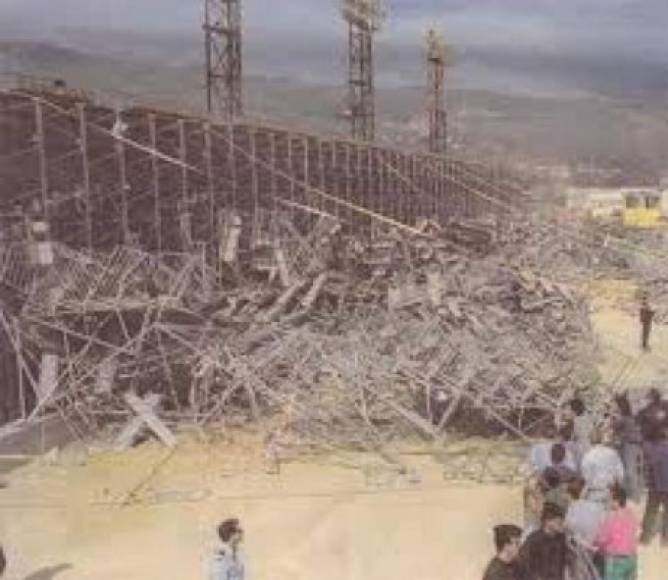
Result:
pixel 656 458
pixel 3 561
pixel 628 441
pixel 504 565
pixel 646 317
pixel 653 418
pixel 558 457
pixel 544 554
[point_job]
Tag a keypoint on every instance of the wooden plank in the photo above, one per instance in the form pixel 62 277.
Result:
pixel 144 408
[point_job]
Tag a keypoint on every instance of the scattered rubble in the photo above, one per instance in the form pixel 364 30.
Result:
pixel 463 329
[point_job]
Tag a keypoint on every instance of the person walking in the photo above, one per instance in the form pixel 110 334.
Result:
pixel 602 468
pixel 584 517
pixel 656 459
pixel 628 441
pixel 227 563
pixel 646 318
pixel 544 554
pixel 617 539
pixel 504 566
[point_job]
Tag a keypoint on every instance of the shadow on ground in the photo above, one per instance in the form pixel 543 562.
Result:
pixel 49 572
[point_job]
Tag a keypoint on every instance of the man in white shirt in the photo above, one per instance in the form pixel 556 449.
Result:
pixel 583 517
pixel 602 468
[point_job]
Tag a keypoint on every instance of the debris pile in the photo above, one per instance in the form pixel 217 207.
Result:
pixel 337 340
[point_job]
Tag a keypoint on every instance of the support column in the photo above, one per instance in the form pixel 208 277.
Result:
pixel 184 214
pixel 334 180
pixel 232 163
pixel 19 368
pixel 382 181
pixel 208 161
pixel 321 175
pixel 307 171
pixel 155 169
pixel 292 175
pixel 255 185
pixel 348 194
pixel 85 172
pixel 274 182
pixel 41 153
pixel 124 187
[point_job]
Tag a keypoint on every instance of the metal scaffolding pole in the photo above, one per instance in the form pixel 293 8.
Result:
pixel 364 18
pixel 222 29
pixel 436 63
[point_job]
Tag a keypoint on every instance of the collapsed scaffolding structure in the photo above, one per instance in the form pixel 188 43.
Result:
pixel 158 269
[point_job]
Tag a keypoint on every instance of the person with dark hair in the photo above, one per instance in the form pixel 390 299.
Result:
pixel 227 563
pixel 504 565
pixel 646 318
pixel 553 488
pixel 617 539
pixel 628 439
pixel 583 517
pixel 653 418
pixel 3 561
pixel 583 425
pixel 543 455
pixel 558 457
pixel 656 460
pixel 544 554
pixel 602 468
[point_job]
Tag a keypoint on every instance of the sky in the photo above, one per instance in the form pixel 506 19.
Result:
pixel 584 43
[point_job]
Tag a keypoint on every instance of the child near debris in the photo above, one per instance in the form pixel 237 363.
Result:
pixel 504 565
pixel 617 539
pixel 227 563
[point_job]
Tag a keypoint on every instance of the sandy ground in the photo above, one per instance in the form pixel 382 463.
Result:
pixel 149 514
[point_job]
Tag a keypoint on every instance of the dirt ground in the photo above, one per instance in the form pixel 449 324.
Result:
pixel 151 514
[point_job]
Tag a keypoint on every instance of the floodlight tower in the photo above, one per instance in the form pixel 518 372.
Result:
pixel 437 60
pixel 222 29
pixel 364 18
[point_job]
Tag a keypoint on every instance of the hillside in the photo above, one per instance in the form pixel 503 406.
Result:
pixel 585 129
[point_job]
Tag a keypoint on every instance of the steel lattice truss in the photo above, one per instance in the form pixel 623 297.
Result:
pixel 223 38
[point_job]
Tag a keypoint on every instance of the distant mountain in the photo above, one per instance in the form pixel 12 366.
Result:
pixel 631 134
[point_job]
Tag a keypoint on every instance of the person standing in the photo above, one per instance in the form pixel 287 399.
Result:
pixel 656 458
pixel 227 563
pixel 653 417
pixel 602 468
pixel 504 565
pixel 546 454
pixel 544 554
pixel 582 427
pixel 628 439
pixel 617 539
pixel 583 517
pixel 646 318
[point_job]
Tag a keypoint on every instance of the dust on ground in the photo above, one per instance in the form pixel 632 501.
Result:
pixel 151 514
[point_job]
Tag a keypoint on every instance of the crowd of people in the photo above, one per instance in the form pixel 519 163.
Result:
pixel 578 524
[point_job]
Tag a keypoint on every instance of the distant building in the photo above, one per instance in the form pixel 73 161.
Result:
pixel 604 203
